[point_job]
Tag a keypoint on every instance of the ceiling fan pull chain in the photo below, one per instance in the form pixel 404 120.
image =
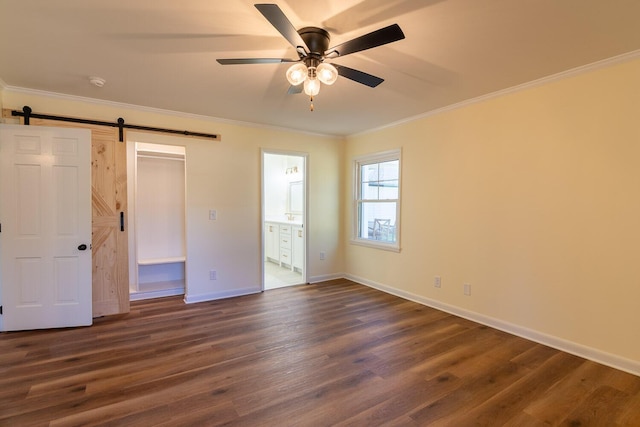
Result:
pixel 311 108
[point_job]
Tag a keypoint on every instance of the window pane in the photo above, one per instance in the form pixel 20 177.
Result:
pixel 369 191
pixel 370 172
pixel 389 170
pixel 378 221
pixel 388 190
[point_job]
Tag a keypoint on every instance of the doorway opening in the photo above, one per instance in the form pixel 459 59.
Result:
pixel 157 220
pixel 283 219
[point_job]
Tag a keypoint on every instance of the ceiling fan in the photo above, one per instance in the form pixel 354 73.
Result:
pixel 312 46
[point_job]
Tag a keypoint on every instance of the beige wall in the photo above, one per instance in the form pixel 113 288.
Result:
pixel 225 175
pixel 533 198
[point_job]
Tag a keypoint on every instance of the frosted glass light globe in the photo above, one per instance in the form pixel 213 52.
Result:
pixel 327 73
pixel 297 73
pixel 312 87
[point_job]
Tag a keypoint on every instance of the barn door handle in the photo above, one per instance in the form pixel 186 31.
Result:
pixel 82 247
pixel 121 221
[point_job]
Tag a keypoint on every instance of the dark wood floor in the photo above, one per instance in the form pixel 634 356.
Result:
pixel 335 353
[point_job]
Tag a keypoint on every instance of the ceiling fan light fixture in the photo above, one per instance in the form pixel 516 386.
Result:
pixel 312 46
pixel 312 87
pixel 297 73
pixel 327 73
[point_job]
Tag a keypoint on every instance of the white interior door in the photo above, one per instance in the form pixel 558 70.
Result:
pixel 45 241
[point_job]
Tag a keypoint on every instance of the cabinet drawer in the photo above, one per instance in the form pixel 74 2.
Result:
pixel 285 229
pixel 285 242
pixel 285 256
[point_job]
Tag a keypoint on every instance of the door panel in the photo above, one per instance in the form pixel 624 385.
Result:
pixel 46 214
pixel 27 177
pixel 108 198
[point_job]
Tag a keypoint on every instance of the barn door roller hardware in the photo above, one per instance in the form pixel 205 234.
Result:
pixel 28 113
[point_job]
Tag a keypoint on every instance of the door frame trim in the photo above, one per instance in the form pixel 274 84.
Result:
pixel 305 214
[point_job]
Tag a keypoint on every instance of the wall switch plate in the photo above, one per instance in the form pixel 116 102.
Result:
pixel 213 215
pixel 437 281
pixel 322 255
pixel 213 275
pixel 467 289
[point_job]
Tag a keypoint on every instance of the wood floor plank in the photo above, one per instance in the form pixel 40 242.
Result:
pixel 471 393
pixel 601 408
pixel 403 394
pixel 568 393
pixel 630 414
pixel 535 385
pixel 334 353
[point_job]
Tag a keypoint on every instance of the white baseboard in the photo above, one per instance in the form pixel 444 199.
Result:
pixel 599 356
pixel 190 299
pixel 138 296
pixel 325 277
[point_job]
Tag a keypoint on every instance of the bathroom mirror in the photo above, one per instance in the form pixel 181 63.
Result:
pixel 295 197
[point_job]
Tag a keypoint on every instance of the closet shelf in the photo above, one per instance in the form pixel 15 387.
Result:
pixel 155 261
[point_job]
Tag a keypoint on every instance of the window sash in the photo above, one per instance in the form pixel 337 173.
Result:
pixel 373 226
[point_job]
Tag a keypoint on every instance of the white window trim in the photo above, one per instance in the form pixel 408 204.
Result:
pixel 378 157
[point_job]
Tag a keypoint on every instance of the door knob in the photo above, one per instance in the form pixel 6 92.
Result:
pixel 82 247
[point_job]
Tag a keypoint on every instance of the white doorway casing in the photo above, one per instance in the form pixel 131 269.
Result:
pixel 284 218
pixel 157 218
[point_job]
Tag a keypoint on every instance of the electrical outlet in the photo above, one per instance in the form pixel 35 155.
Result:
pixel 322 255
pixel 437 281
pixel 213 275
pixel 467 289
pixel 213 215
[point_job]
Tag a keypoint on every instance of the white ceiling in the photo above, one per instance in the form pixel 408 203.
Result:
pixel 162 53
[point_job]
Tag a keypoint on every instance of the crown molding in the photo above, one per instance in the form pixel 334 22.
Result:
pixel 626 57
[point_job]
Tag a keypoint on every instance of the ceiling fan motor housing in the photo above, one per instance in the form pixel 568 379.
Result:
pixel 317 40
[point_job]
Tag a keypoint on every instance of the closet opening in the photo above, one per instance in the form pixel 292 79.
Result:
pixel 157 212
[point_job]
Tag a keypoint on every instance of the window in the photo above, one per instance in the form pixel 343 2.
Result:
pixel 377 200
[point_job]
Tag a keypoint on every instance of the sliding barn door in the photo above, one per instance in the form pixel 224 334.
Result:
pixel 109 212
pixel 109 201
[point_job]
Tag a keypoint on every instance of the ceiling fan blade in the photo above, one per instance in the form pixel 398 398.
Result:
pixel 376 38
pixel 358 76
pixel 281 23
pixel 239 61
pixel 293 90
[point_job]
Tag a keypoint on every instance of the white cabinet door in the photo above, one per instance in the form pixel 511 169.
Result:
pixel 297 238
pixel 45 206
pixel 272 241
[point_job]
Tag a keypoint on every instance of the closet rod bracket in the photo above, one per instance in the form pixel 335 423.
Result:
pixel 27 114
pixel 121 128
